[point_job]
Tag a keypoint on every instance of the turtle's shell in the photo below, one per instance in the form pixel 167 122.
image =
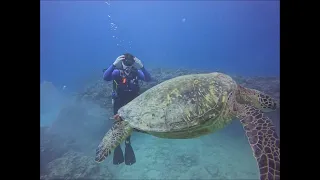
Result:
pixel 182 104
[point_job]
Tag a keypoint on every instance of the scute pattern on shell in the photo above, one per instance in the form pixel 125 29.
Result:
pixel 184 103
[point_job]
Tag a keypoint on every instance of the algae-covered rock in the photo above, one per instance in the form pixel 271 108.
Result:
pixel 75 165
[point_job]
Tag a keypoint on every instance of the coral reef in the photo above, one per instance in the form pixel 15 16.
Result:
pixel 75 165
pixel 52 146
pixel 77 128
pixel 98 92
pixel 76 122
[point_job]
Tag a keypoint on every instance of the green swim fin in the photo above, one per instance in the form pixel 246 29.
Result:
pixel 118 155
pixel 130 157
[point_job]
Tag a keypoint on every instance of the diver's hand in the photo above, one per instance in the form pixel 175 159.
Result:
pixel 137 63
pixel 117 62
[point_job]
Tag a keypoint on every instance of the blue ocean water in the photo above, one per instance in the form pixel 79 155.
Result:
pixel 80 38
pixel 77 37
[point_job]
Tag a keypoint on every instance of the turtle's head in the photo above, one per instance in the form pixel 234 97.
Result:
pixel 122 114
pixel 257 98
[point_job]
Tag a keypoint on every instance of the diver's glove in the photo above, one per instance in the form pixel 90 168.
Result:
pixel 117 62
pixel 137 63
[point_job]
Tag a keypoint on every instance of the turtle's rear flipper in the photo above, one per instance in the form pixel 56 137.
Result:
pixel 118 133
pixel 264 141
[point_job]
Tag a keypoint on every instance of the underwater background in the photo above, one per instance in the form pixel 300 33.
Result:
pixel 80 38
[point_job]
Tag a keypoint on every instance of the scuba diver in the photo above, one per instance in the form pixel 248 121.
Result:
pixel 125 72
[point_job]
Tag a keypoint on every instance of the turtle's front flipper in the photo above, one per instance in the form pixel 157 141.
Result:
pixel 118 133
pixel 264 141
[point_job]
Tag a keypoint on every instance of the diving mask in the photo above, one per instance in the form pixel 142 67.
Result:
pixel 127 69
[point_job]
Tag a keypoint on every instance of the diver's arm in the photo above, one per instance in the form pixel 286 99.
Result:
pixel 144 75
pixel 115 74
pixel 107 75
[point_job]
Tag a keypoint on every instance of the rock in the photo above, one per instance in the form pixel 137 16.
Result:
pixel 75 165
pixel 85 123
pixel 52 146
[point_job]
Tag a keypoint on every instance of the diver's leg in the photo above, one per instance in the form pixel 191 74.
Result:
pixel 130 157
pixel 117 153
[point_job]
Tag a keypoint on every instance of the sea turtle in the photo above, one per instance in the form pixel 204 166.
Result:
pixel 194 105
